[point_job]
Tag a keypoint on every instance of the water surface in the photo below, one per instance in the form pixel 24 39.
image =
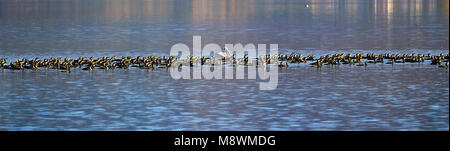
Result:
pixel 377 97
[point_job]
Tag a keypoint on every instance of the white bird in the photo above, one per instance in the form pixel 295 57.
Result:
pixel 225 54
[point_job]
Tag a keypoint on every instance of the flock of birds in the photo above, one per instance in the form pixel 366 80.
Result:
pixel 282 60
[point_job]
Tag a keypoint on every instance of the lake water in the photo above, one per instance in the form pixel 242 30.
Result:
pixel 377 97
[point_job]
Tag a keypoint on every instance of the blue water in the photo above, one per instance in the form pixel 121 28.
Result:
pixel 377 97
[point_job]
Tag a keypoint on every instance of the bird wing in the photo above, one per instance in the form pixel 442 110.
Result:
pixel 222 54
pixel 227 52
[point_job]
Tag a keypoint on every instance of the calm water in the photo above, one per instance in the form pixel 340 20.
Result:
pixel 377 97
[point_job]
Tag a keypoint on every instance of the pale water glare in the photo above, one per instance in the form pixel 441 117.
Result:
pixel 376 97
